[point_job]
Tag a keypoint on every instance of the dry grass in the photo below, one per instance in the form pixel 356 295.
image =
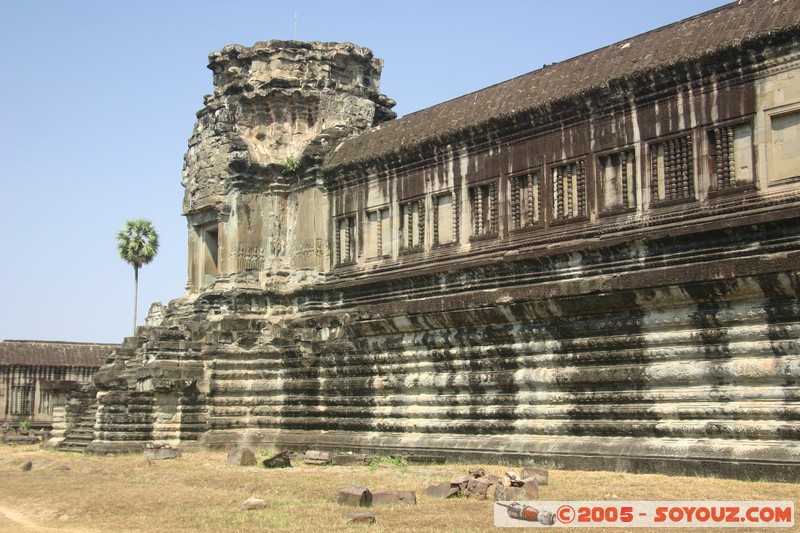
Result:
pixel 201 492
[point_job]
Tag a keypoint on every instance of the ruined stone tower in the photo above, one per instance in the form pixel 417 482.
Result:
pixel 594 265
pixel 254 192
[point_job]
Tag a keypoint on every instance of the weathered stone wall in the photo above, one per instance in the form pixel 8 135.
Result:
pixel 601 276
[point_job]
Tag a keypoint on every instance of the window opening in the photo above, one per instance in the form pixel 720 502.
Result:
pixel 378 237
pixel 483 199
pixel 445 219
pixel 569 190
pixel 731 156
pixel 671 170
pixel 411 232
pixel 619 180
pixel 345 240
pixel 525 194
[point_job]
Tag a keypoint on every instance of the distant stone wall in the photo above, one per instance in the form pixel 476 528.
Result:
pixel 28 369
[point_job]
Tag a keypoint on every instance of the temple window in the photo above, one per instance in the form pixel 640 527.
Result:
pixel 618 171
pixel 731 150
pixel 569 190
pixel 345 240
pixel 672 169
pixel 209 236
pixel 411 230
pixel 785 145
pixel 21 400
pixel 525 192
pixel 445 219
pixel 483 202
pixel 377 237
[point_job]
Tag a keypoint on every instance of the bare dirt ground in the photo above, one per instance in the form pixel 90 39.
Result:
pixel 68 492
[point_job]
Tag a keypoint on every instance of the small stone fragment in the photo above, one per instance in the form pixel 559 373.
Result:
pixel 531 488
pixel 252 504
pixel 477 472
pixel 503 493
pixel 458 479
pixel 62 468
pixel 355 496
pixel 359 517
pixel 540 474
pixel 242 457
pixel 27 467
pixel 279 460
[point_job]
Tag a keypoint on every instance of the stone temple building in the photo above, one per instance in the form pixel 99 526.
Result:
pixel 32 373
pixel 593 265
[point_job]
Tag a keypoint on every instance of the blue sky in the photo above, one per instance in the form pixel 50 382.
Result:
pixel 98 100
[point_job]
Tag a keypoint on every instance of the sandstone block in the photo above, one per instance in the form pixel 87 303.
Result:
pixel 160 453
pixel 355 496
pixel 441 490
pixel 242 457
pixel 20 439
pixel 477 488
pixel 313 457
pixel 425 459
pixel 540 474
pixel 391 497
pixel 352 459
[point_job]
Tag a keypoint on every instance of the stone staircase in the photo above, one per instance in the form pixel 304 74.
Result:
pixel 80 432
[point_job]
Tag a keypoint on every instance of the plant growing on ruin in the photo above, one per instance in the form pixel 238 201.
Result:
pixel 137 244
pixel 25 426
pixel 291 165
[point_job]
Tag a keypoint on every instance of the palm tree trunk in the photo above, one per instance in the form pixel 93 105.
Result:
pixel 135 295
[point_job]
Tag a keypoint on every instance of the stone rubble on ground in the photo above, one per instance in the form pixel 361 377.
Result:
pixel 477 485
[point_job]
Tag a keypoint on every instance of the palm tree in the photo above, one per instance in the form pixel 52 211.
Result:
pixel 137 244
